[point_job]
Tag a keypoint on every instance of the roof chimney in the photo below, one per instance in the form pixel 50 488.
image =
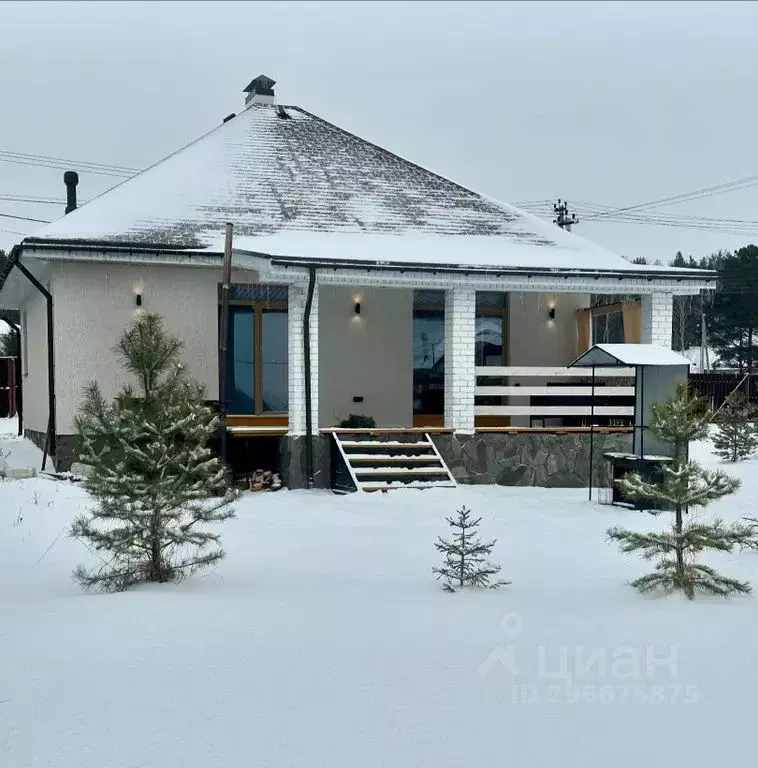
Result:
pixel 260 91
pixel 70 179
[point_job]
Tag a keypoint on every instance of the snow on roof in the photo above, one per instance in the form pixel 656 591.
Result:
pixel 605 355
pixel 300 186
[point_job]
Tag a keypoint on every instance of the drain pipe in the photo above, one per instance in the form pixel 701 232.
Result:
pixel 50 442
pixel 307 366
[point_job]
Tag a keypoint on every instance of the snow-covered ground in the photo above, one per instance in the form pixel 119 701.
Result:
pixel 323 641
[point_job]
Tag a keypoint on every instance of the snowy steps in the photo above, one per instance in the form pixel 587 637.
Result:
pixel 392 463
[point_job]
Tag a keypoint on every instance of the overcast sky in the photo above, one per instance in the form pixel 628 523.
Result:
pixel 607 103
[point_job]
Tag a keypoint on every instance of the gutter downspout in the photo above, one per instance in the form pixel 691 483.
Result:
pixel 307 366
pixel 50 443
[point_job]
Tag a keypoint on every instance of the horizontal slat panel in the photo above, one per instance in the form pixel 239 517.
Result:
pixel 397 458
pixel 556 391
pixel 399 471
pixel 552 410
pixel 511 370
pixel 370 487
pixel 382 444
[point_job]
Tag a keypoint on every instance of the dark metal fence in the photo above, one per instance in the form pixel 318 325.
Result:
pixel 717 386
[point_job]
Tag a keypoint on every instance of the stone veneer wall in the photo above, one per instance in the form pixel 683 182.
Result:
pixel 529 458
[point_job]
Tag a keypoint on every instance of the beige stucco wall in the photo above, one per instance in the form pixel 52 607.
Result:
pixel 94 303
pixel 34 360
pixel 535 340
pixel 368 355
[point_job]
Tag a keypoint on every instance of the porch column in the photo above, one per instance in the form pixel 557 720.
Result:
pixel 656 320
pixel 296 299
pixel 460 327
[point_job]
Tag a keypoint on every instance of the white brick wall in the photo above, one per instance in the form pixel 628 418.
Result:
pixel 657 315
pixel 296 300
pixel 460 308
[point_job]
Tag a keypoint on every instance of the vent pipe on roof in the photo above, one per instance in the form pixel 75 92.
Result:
pixel 260 91
pixel 70 179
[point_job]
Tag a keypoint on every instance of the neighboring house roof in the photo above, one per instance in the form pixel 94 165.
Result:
pixel 295 185
pixel 10 316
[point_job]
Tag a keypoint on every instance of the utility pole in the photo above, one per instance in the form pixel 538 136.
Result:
pixel 562 218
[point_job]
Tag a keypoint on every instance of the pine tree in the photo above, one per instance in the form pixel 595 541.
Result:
pixel 685 484
pixel 155 481
pixel 736 436
pixel 466 555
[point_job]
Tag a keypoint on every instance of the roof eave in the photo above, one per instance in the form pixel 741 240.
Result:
pixel 699 277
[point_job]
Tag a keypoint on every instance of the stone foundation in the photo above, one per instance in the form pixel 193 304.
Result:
pixel 529 458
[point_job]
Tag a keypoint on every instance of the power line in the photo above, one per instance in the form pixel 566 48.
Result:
pixel 26 199
pixel 47 161
pixel 592 212
pixel 24 218
pixel 717 189
pixel 80 163
pixel 13 232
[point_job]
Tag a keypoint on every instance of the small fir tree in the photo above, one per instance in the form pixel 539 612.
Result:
pixel 736 436
pixel 466 555
pixel 155 481
pixel 684 484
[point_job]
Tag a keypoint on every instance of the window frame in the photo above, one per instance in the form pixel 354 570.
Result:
pixel 258 307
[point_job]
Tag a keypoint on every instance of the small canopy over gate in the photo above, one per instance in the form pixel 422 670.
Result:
pixel 658 371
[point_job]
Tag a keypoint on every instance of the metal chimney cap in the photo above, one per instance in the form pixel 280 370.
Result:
pixel 261 84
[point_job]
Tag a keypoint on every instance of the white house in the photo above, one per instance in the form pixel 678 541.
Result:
pixel 412 286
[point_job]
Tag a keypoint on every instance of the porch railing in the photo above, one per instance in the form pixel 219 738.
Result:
pixel 554 392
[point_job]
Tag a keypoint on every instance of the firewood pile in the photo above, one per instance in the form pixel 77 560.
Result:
pixel 261 480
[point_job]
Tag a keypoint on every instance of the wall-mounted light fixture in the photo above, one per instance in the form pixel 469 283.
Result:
pixel 138 299
pixel 357 307
pixel 551 313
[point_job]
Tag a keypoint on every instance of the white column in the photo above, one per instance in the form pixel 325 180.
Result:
pixel 460 329
pixel 296 300
pixel 657 318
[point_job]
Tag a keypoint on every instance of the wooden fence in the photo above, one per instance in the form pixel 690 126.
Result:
pixel 716 386
pixel 553 396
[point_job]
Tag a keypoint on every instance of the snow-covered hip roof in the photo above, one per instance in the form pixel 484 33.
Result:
pixel 295 185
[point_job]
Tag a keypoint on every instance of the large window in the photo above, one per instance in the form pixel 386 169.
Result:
pixel 607 325
pixel 491 335
pixel 257 357
pixel 429 344
pixel 428 352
